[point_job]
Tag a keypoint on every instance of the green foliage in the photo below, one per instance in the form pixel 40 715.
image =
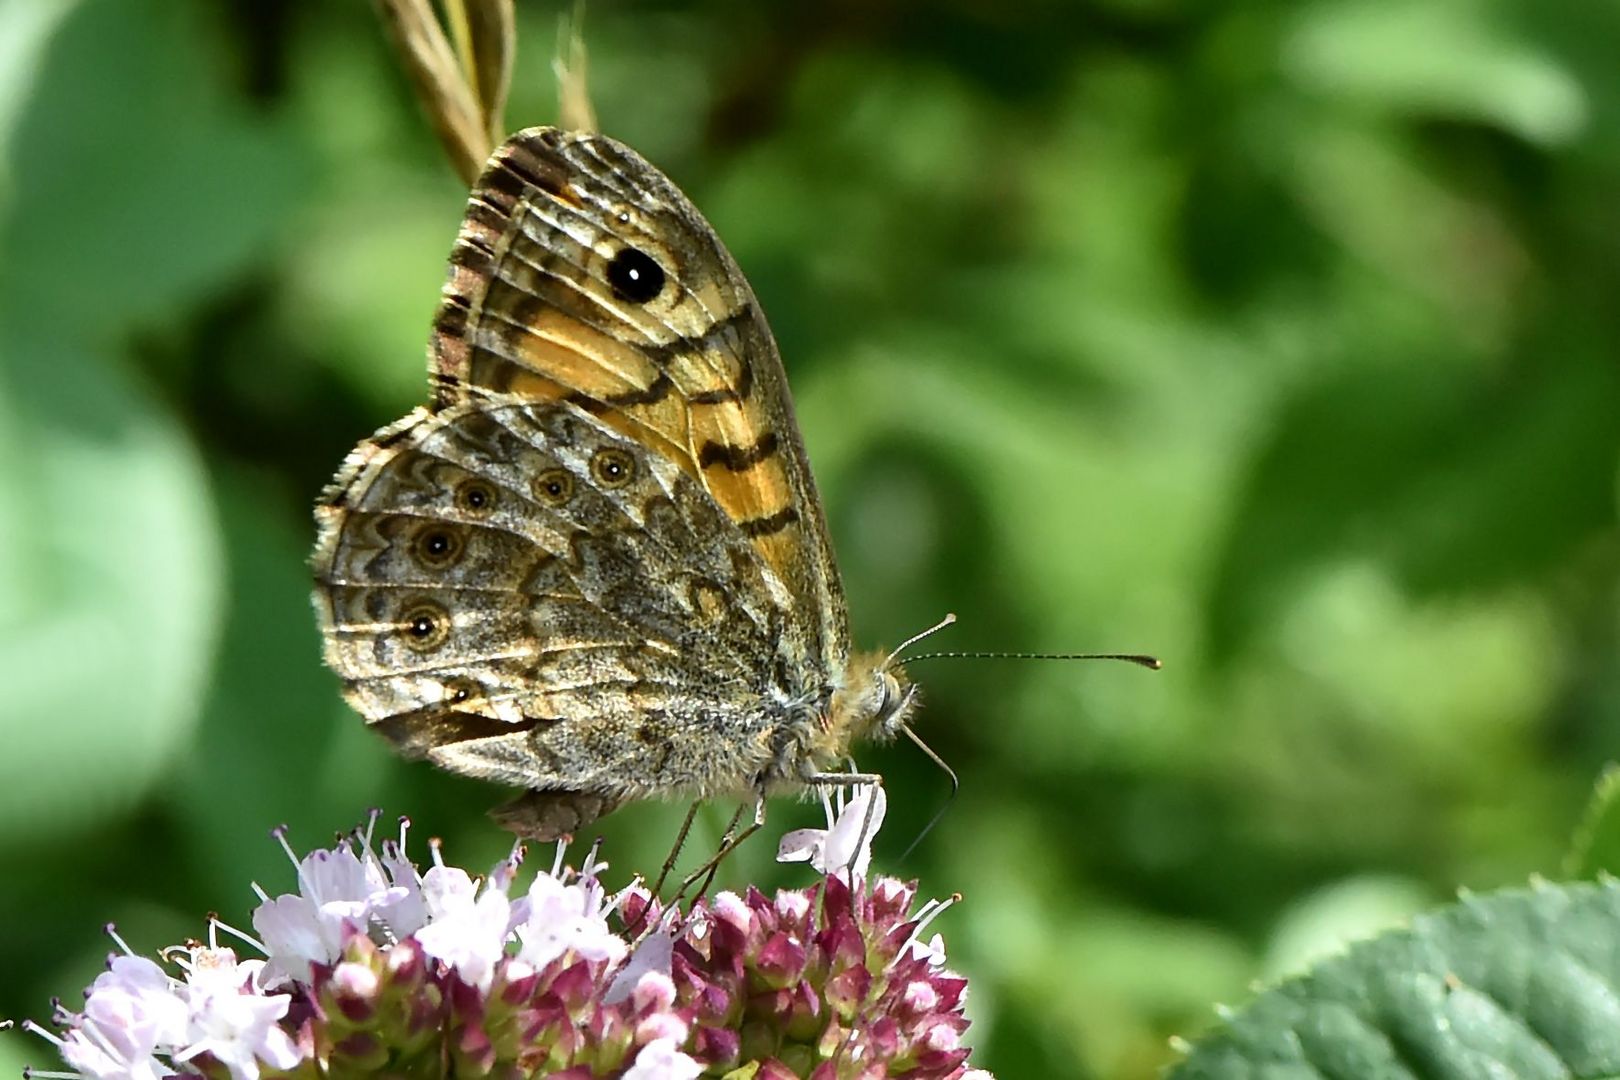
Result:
pixel 1275 339
pixel 1520 983
pixel 1596 847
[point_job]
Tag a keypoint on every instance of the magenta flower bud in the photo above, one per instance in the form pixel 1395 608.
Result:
pixel 883 1036
pixel 780 960
pixel 361 1052
pixel 353 989
pixel 575 986
pixel 847 990
pixel 405 963
pixel 717 1046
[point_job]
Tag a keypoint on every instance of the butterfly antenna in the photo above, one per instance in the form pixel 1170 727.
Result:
pixel 914 638
pixel 1152 663
pixel 950 772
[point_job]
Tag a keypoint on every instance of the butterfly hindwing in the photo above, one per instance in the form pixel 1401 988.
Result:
pixel 518 592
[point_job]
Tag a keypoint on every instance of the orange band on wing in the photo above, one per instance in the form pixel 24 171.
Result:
pixel 590 361
pixel 761 491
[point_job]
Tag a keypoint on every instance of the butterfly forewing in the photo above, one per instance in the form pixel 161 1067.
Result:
pixel 583 275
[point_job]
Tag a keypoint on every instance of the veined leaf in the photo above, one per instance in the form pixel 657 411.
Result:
pixel 1520 983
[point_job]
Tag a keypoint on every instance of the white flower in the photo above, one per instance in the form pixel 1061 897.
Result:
pixel 132 1012
pixel 294 935
pixel 98 1056
pixel 662 1059
pixel 231 1020
pixel 136 1012
pixel 406 912
pixel 933 952
pixel 467 932
pixel 447 890
pixel 337 896
pixel 563 918
pixel 214 971
pixel 239 1030
pixel 340 883
pixel 149 993
pixel 846 843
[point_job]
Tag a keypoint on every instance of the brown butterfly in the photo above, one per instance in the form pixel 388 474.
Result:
pixel 596 567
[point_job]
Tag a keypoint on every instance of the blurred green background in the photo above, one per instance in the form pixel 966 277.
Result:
pixel 1277 339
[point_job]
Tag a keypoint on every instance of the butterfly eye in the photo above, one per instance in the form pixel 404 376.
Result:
pixel 475 497
pixel 613 468
pixel 437 547
pixel 893 705
pixel 554 486
pixel 635 276
pixel 426 626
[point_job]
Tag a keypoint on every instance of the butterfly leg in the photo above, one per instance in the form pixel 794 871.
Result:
pixel 669 864
pixel 726 837
pixel 730 842
pixel 680 842
pixel 844 779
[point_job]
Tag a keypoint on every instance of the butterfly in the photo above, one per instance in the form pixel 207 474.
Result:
pixel 595 566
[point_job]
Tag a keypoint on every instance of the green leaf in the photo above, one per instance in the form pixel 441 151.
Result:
pixel 133 189
pixel 1595 848
pixel 1522 983
pixel 1428 467
pixel 111 589
pixel 25 37
pixel 1384 54
pixel 270 722
pixel 135 184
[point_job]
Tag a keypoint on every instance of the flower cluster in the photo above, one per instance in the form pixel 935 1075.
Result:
pixel 373 967
pixel 822 982
pixel 217 1012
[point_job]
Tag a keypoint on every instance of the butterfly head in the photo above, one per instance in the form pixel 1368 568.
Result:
pixel 875 701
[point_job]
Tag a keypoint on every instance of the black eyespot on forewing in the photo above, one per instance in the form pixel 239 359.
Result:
pixel 635 276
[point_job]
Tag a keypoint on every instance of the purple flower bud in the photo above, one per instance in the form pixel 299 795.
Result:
pixel 715 1045
pixel 780 960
